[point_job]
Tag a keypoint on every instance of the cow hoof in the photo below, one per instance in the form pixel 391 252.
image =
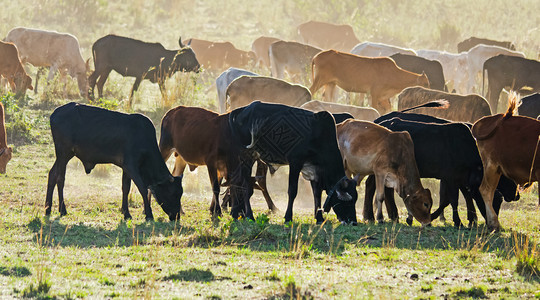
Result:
pixel 354 223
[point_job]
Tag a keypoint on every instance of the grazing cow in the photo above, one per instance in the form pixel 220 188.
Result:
pixel 99 136
pixel 218 56
pixel 371 49
pixel 419 65
pixel 508 146
pixel 57 51
pixel 359 113
pixel 327 36
pixel 368 148
pixel 260 47
pixel 461 108
pixel 134 58
pixel 467 44
pixel 293 57
pixel 477 56
pixel 379 76
pixel 454 67
pixel 246 89
pixel 530 106
pixel 11 69
pixel 510 72
pixel 222 83
pixel 5 151
pixel 306 141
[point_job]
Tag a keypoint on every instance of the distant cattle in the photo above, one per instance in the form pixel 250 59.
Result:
pixel 306 141
pixel 369 149
pixel 508 145
pixel 477 56
pixel 222 83
pixel 419 65
pixel 246 89
pixel 260 47
pixel 11 69
pixel 379 76
pixel 473 41
pixel 57 51
pixel 99 136
pixel 512 72
pixel 371 49
pixel 530 106
pixel 218 56
pixel 134 58
pixel 328 36
pixel 461 108
pixel 359 113
pixel 455 67
pixel 293 57
pixel 5 151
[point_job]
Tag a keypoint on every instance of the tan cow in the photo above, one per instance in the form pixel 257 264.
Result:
pixel 359 113
pixel 218 56
pixel 293 57
pixel 461 108
pixel 58 51
pixel 368 148
pixel 11 69
pixel 246 89
pixel 260 47
pixel 328 36
pixel 5 151
pixel 379 76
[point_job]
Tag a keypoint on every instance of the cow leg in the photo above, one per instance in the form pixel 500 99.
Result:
pixel 317 193
pixel 390 203
pixel 135 176
pixel 379 197
pixel 260 178
pixel 134 89
pixel 38 74
pixel 215 209
pixel 101 82
pixel 380 103
pixel 56 178
pixel 92 82
pixel 329 91
pixel 52 71
pixel 444 201
pixel 487 190
pixel 294 172
pixel 471 210
pixel 452 193
pixel 368 199
pixel 126 186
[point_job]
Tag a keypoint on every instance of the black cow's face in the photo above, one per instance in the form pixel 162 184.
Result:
pixel 168 194
pixel 186 61
pixel 343 201
pixel 508 189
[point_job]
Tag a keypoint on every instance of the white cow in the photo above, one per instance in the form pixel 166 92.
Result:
pixel 58 51
pixel 371 49
pixel 476 57
pixel 358 112
pixel 223 81
pixel 455 67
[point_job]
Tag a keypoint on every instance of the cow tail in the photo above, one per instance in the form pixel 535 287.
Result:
pixel 512 104
pixel 434 104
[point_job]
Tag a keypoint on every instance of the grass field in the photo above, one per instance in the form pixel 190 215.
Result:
pixel 93 253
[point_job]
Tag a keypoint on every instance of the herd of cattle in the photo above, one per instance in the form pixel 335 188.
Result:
pixel 435 134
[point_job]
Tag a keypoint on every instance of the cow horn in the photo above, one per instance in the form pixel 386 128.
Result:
pixel 180 42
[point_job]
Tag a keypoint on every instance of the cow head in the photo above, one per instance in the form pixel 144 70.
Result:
pixel 185 61
pixel 5 157
pixel 168 195
pixel 23 82
pixel 342 199
pixel 419 206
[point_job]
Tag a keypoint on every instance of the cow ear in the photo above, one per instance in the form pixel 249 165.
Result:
pixel 180 42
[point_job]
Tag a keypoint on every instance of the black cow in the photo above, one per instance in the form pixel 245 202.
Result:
pixel 445 151
pixel 530 106
pixel 100 136
pixel 513 72
pixel 467 44
pixel 306 141
pixel 416 64
pixel 138 59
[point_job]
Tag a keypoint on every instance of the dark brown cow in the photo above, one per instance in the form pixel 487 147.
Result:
pixel 467 44
pixel 328 36
pixel 379 76
pixel 5 151
pixel 11 68
pixel 461 108
pixel 508 145
pixel 218 56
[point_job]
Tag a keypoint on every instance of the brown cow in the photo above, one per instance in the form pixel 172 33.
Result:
pixel 293 57
pixel 218 56
pixel 508 145
pixel 379 76
pixel 368 148
pixel 246 89
pixel 197 138
pixel 461 108
pixel 328 36
pixel 260 47
pixel 11 68
pixel 359 113
pixel 5 151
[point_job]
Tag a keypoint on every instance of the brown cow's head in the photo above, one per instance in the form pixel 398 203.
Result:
pixel 419 206
pixel 23 82
pixel 5 157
